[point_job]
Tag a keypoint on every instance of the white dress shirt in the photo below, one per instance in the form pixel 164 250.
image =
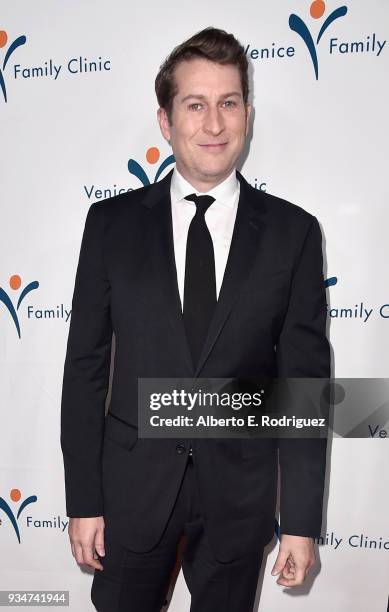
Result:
pixel 219 217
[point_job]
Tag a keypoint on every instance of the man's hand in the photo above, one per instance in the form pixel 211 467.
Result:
pixel 87 536
pixel 295 558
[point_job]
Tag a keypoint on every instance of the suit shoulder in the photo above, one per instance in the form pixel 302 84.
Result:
pixel 285 210
pixel 123 202
pixel 277 209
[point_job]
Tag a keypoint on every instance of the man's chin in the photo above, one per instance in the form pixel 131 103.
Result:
pixel 215 173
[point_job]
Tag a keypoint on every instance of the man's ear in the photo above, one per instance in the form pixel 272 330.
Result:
pixel 164 123
pixel 248 114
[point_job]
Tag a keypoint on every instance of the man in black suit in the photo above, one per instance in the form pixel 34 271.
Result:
pixel 199 275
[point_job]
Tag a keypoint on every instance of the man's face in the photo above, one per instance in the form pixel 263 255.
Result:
pixel 209 121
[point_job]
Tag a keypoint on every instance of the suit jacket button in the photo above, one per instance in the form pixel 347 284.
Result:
pixel 180 449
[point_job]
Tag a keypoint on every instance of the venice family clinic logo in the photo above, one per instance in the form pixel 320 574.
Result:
pixel 15 496
pixel 12 47
pixel 152 157
pixel 317 10
pixel 15 282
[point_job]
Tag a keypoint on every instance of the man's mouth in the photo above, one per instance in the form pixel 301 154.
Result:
pixel 213 146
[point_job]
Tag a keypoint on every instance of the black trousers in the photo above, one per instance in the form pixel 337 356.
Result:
pixel 138 582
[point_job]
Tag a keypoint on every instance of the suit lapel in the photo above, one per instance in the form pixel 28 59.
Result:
pixel 161 243
pixel 244 246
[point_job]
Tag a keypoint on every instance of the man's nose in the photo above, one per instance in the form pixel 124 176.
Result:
pixel 213 121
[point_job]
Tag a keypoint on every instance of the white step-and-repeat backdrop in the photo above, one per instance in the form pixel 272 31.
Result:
pixel 78 124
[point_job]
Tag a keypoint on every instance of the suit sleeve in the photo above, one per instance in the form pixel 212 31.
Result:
pixel 86 374
pixel 303 352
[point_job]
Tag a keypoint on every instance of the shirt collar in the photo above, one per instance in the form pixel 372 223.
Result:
pixel 223 192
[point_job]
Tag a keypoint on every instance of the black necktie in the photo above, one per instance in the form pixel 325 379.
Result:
pixel 200 279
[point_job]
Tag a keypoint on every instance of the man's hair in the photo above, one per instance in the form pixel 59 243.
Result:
pixel 212 44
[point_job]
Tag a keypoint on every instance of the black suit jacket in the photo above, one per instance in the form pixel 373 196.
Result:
pixel 270 320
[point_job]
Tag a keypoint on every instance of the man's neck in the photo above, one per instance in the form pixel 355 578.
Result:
pixel 203 186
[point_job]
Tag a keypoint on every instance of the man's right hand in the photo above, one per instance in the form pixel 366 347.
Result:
pixel 86 538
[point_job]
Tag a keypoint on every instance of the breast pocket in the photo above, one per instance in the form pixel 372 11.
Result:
pixel 269 281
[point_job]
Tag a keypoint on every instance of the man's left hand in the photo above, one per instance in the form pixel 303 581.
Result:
pixel 295 558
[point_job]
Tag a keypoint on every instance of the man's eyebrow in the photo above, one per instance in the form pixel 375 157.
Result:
pixel 201 97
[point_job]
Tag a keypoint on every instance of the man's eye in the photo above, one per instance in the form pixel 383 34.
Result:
pixel 194 106
pixel 229 103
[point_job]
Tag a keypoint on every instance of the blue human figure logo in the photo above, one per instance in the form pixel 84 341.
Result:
pixel 15 283
pixel 152 156
pixel 317 10
pixel 16 496
pixel 13 46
